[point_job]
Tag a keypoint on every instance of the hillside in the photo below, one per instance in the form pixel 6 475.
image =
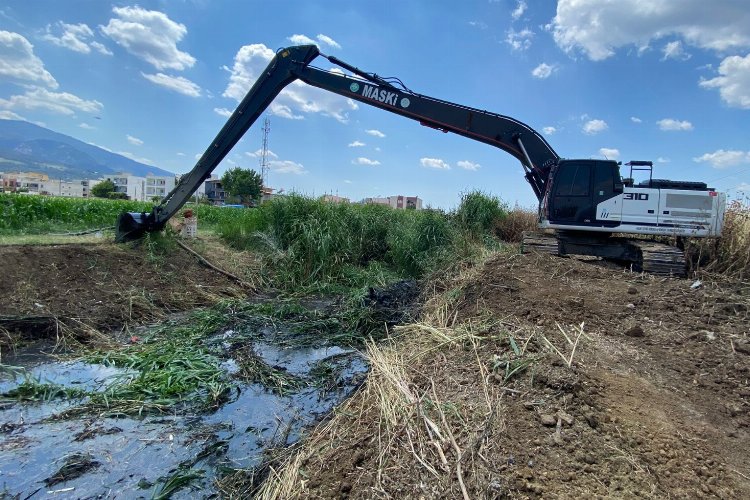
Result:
pixel 28 147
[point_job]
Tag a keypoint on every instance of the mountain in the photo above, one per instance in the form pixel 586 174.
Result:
pixel 26 147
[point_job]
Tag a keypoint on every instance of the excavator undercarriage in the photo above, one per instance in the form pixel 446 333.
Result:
pixel 642 255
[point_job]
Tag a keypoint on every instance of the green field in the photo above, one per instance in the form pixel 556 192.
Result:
pixel 31 214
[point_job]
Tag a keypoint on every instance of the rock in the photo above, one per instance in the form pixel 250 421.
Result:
pixel 635 331
pixel 345 487
pixel 733 409
pixel 589 459
pixel 632 290
pixel 630 306
pixel 742 346
pixel 592 420
pixel 548 420
pixel 566 418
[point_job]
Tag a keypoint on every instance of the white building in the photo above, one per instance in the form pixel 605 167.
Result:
pixel 57 187
pixel 143 188
pixel 397 201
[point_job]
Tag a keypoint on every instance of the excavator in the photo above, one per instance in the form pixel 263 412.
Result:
pixel 585 206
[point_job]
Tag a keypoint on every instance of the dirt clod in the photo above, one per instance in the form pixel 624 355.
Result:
pixel 635 331
pixel 548 420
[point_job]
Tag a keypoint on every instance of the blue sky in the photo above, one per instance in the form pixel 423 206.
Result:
pixel 662 80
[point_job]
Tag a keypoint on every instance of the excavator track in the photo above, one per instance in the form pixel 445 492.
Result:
pixel 539 242
pixel 660 259
pixel 647 256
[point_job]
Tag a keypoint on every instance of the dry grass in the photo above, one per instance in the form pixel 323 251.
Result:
pixel 429 408
pixel 518 220
pixel 728 255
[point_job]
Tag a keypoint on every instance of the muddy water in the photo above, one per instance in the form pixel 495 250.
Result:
pixel 132 457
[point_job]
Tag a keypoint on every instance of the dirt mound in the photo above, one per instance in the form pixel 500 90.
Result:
pixel 513 398
pixel 101 286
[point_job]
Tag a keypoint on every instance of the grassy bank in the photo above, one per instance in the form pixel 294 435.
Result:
pixel 309 242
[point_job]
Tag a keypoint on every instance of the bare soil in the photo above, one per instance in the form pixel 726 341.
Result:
pixel 101 287
pixel 655 404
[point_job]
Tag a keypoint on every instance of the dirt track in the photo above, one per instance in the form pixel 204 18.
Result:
pixel 656 403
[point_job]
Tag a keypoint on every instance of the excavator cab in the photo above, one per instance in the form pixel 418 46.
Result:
pixel 578 187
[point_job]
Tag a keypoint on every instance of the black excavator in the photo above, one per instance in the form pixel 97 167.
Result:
pixel 585 202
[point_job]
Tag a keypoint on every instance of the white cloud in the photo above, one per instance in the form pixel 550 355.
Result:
pixel 661 159
pixel 542 71
pixel 133 157
pixel 744 187
pixel 101 48
pixel 519 10
pixel 435 163
pixel 134 140
pixel 301 40
pixel 347 181
pixel 592 127
pixel 598 28
pixel 375 133
pixel 549 130
pixel 734 82
pixel 328 41
pixel 176 83
pixel 356 144
pixel 75 37
pixel 287 167
pixel 86 126
pixel 519 40
pixel 306 40
pixel 180 154
pixel 223 112
pixel 672 124
pixel 610 153
pixel 724 159
pixel 674 50
pixel 296 98
pixel 365 161
pixel 478 24
pixel 150 35
pixel 10 115
pixel 258 153
pixel 18 64
pixel 468 165
pixel 57 102
pixel 635 119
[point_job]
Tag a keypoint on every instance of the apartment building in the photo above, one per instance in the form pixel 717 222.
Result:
pixel 143 188
pixel 215 192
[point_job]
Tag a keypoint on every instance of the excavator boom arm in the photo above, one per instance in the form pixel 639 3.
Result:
pixel 508 134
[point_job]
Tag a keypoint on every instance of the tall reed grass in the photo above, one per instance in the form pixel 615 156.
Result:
pixel 730 254
pixel 312 241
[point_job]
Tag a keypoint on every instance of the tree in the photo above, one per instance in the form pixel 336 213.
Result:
pixel 102 189
pixel 243 183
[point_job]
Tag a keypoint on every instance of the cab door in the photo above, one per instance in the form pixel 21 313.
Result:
pixel 571 199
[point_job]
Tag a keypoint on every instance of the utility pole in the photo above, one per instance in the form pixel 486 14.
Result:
pixel 264 152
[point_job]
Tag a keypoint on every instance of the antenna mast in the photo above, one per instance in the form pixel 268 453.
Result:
pixel 264 152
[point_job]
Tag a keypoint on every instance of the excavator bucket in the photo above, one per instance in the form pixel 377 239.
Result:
pixel 130 226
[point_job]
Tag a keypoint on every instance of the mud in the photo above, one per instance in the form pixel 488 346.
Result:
pixel 125 456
